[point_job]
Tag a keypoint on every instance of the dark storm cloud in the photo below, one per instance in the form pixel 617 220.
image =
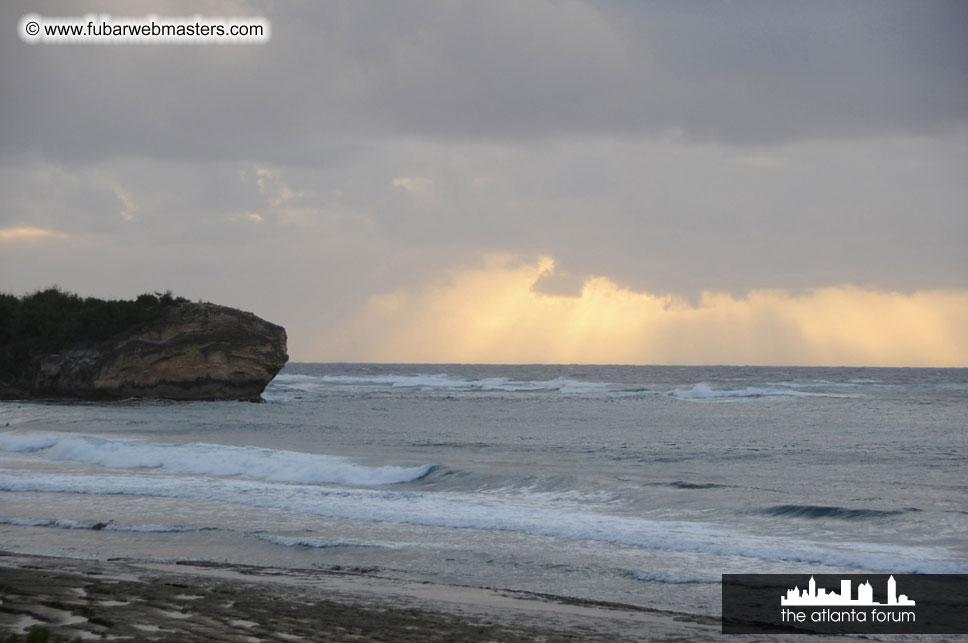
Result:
pixel 767 72
pixel 334 72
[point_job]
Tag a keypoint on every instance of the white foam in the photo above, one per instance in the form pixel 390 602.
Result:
pixel 666 578
pixel 281 388
pixel 312 382
pixel 825 384
pixel 295 541
pixel 703 391
pixel 210 459
pixel 33 522
pixel 18 443
pixel 469 512
pixel 149 529
pixel 440 381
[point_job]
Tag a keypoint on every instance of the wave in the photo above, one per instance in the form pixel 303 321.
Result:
pixel 685 484
pixel 653 577
pixel 703 391
pixel 94 525
pixel 682 484
pixel 313 543
pixel 462 511
pixel 852 384
pixel 443 381
pixel 840 513
pixel 201 458
pixel 17 443
pixel 282 387
pixel 817 383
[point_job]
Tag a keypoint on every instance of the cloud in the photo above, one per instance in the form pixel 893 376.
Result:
pixel 371 147
pixel 28 233
pixel 652 216
pixel 761 160
pixel 558 284
pixel 492 314
pixel 251 217
pixel 416 185
pixel 342 73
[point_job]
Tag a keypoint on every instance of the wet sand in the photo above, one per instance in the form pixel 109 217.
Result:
pixel 194 601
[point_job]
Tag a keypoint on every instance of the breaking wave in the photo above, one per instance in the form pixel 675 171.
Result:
pixel 460 511
pixel 281 389
pixel 201 458
pixel 442 381
pixel 703 391
pixel 313 543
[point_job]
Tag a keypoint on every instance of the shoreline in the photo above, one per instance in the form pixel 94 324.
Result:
pixel 202 601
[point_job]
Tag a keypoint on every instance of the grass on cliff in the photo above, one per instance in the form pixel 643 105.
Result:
pixel 51 320
pixel 39 635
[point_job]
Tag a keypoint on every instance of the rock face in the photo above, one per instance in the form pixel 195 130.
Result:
pixel 191 352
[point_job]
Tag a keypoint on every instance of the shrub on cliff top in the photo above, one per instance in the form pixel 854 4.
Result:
pixel 39 635
pixel 51 320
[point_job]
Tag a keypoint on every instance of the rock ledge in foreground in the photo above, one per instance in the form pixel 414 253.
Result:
pixel 192 351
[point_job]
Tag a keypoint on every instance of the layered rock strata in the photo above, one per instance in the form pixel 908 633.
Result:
pixel 192 351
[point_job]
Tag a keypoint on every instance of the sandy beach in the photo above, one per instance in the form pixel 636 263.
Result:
pixel 193 601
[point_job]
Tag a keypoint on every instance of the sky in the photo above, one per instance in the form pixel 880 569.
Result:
pixel 508 181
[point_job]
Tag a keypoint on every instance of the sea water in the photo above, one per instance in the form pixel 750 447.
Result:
pixel 637 485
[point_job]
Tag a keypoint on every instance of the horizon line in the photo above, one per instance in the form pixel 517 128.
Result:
pixel 396 363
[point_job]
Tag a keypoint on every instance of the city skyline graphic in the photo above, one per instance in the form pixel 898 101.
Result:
pixel 812 595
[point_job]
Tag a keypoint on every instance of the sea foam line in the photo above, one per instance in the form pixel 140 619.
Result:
pixel 468 512
pixel 201 458
pixel 424 381
pixel 313 543
pixel 655 577
pixel 703 391
pixel 559 385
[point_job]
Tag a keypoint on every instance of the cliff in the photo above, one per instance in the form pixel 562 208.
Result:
pixel 189 351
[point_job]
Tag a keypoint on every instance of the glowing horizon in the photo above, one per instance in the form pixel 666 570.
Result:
pixel 493 314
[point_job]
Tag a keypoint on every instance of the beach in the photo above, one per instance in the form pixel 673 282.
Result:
pixel 475 502
pixel 195 601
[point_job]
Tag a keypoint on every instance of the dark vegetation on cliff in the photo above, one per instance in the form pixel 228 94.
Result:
pixel 49 320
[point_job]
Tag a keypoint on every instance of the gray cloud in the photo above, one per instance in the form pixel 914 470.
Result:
pixel 340 72
pixel 672 147
pixel 561 284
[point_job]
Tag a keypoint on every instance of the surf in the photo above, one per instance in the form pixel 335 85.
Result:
pixel 202 458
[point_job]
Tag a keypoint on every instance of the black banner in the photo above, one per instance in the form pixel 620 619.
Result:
pixel 845 604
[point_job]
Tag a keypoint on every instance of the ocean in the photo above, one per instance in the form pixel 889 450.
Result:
pixel 637 485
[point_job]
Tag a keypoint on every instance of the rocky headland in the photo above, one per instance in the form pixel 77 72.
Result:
pixel 183 351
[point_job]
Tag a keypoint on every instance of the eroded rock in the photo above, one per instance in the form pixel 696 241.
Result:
pixel 193 351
